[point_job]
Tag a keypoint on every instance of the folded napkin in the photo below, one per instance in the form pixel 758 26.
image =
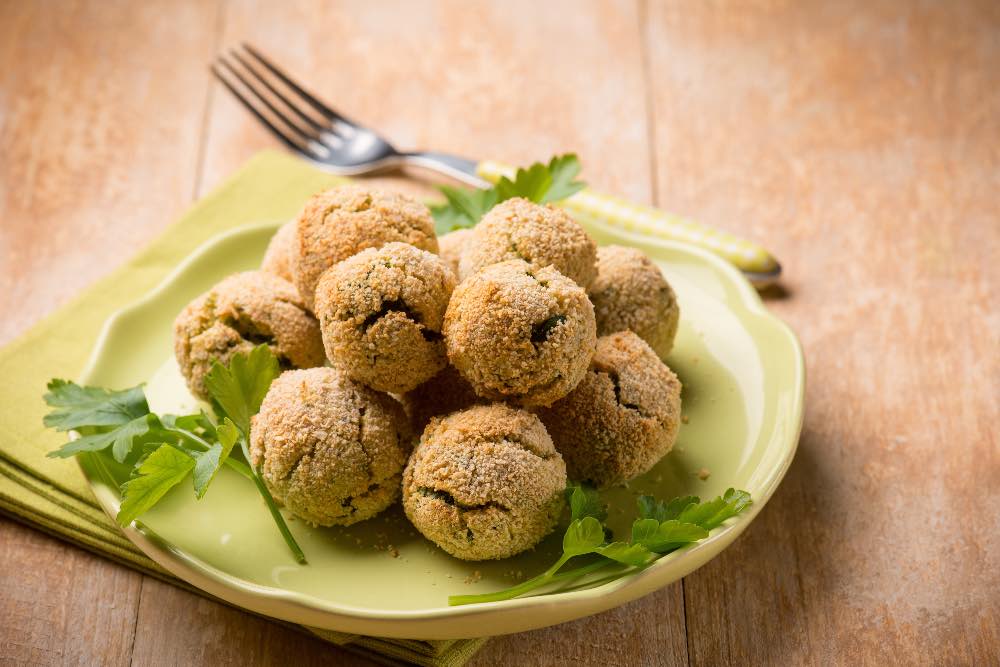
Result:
pixel 51 494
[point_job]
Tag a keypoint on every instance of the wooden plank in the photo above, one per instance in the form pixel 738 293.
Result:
pixel 101 107
pixel 60 605
pixel 175 627
pixel 859 140
pixel 644 632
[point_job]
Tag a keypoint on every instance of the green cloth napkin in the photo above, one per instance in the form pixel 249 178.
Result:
pixel 51 494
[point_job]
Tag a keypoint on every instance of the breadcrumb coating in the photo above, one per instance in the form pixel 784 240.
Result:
pixel 520 334
pixel 241 312
pixel 381 313
pixel 484 483
pixel 452 245
pixel 540 235
pixel 630 293
pixel 622 418
pixel 444 393
pixel 343 221
pixel 331 450
pixel 278 256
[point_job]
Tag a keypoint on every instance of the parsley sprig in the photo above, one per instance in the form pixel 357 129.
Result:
pixel 541 183
pixel 662 527
pixel 164 450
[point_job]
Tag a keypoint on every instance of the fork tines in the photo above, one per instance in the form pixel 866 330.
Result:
pixel 295 116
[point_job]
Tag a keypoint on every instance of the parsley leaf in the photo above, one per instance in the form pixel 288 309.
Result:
pixel 121 439
pixel 712 513
pixel 77 406
pixel 541 183
pixel 239 389
pixel 158 473
pixel 662 527
pixel 584 501
pixel 463 209
pixel 662 537
pixel 651 508
pixel 628 554
pixel 207 464
pixel 168 447
pixel 564 169
pixel 106 418
pixel 583 536
pixel 532 183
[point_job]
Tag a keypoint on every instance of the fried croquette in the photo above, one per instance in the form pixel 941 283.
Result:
pixel 484 483
pixel 238 314
pixel 381 313
pixel 331 450
pixel 278 256
pixel 630 293
pixel 622 418
pixel 452 245
pixel 345 220
pixel 540 235
pixel 519 333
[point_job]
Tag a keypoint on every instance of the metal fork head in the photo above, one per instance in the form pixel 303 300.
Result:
pixel 299 119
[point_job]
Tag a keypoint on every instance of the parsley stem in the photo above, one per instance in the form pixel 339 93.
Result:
pixel 513 591
pixel 202 444
pixel 272 507
pixel 582 570
pixel 240 467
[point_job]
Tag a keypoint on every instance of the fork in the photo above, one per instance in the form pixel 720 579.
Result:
pixel 327 138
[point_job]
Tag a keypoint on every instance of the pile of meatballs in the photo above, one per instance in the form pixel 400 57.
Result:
pixel 472 374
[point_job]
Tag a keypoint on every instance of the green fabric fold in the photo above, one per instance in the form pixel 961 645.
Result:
pixel 52 494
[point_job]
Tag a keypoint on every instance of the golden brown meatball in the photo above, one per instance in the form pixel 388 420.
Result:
pixel 520 334
pixel 623 416
pixel 452 245
pixel 331 450
pixel 630 293
pixel 238 314
pixel 444 393
pixel 343 221
pixel 278 256
pixel 485 482
pixel 381 313
pixel 539 235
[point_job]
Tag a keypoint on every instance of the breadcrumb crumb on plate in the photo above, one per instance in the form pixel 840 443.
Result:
pixel 750 365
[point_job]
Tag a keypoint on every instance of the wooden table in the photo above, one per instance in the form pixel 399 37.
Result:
pixel 859 140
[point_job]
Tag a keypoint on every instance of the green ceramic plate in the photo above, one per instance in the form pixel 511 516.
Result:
pixel 742 371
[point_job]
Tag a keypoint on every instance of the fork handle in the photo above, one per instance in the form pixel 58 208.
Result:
pixel 459 168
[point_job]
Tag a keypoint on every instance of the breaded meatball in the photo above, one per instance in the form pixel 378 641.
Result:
pixel 241 312
pixel 381 313
pixel 452 245
pixel 343 221
pixel 520 334
pixel 630 293
pixel 623 416
pixel 539 235
pixel 485 482
pixel 328 448
pixel 278 256
pixel 444 393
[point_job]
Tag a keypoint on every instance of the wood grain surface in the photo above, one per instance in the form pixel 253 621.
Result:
pixel 860 141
